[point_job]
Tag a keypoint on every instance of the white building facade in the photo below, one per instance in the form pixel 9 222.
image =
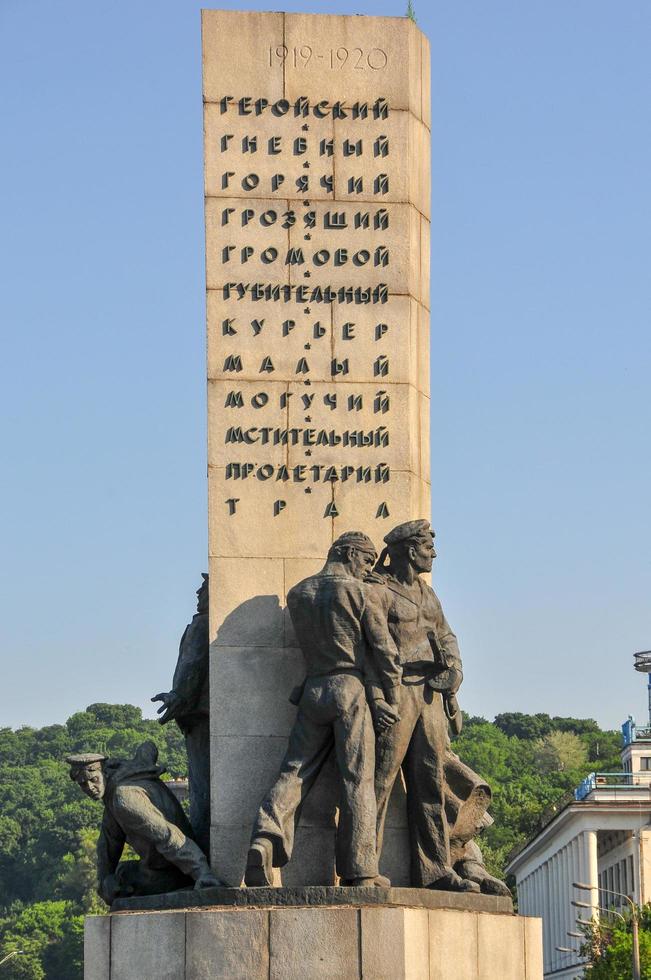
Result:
pixel 603 839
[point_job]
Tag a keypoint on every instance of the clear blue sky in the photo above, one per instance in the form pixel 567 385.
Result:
pixel 541 347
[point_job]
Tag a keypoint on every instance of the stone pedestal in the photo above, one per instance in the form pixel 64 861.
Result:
pixel 410 935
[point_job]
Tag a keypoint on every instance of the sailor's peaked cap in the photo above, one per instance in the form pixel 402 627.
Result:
pixel 356 539
pixel 409 531
pixel 89 760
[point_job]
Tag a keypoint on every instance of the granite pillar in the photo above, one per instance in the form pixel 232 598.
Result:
pixel 317 182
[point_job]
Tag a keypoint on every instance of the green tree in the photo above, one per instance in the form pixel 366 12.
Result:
pixel 578 726
pixel 609 950
pixel 559 752
pixel 77 878
pixel 50 934
pixel 116 715
pixel 48 829
pixel 517 725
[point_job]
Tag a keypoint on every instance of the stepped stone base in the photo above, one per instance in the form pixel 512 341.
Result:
pixel 283 941
pixel 310 895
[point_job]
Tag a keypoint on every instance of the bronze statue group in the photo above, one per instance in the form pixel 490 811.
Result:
pixel 382 669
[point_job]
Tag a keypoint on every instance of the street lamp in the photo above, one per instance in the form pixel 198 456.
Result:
pixel 634 923
pixel 599 908
pixel 14 952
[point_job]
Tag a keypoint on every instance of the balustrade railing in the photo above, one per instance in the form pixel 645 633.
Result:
pixel 611 781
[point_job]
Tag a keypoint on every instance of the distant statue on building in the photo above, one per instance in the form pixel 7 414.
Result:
pixel 446 801
pixel 188 703
pixel 141 811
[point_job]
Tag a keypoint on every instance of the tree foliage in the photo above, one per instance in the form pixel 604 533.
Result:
pixel 507 754
pixel 48 829
pixel 560 751
pixel 48 833
pixel 608 948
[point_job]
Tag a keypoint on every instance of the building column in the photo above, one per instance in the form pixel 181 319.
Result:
pixel 575 852
pixel 545 912
pixel 637 868
pixel 645 866
pixel 558 901
pixel 592 868
pixel 563 899
pixel 522 897
pixel 568 894
pixel 553 910
pixel 537 903
pixel 528 896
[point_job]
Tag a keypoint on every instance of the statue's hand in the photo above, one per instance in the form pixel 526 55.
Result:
pixel 170 706
pixel 384 715
pixel 108 889
pixel 447 680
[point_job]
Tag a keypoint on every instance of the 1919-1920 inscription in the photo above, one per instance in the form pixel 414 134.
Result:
pixel 335 59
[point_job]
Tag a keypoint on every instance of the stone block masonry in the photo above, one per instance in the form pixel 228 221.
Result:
pixel 317 182
pixel 325 943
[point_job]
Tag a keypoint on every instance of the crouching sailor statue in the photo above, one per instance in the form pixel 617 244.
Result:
pixel 141 811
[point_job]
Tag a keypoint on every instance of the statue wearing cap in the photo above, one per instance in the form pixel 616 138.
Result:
pixel 446 801
pixel 188 703
pixel 141 811
pixel 342 633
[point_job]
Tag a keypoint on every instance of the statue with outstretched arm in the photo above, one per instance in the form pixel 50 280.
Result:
pixel 188 703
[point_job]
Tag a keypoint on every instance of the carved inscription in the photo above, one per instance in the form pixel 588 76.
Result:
pixel 308 263
pixel 358 59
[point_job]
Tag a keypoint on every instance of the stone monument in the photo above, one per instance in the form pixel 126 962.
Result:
pixel 317 181
pixel 317 153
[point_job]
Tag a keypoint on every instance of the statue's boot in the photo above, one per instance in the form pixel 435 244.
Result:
pixel 489 885
pixel 259 864
pixel 493 886
pixel 378 881
pixel 452 882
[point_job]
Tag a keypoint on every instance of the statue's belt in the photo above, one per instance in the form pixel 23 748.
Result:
pixel 422 668
pixel 355 671
pixel 297 692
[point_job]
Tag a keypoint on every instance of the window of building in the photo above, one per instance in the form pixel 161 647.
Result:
pixel 631 878
pixel 645 763
pixel 601 888
pixel 622 879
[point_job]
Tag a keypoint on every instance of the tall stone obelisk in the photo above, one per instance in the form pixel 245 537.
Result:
pixel 317 182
